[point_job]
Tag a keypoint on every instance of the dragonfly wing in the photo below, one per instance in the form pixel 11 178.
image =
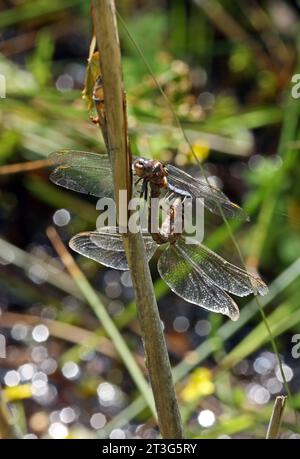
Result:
pixel 224 274
pixel 106 247
pixel 214 199
pixel 192 286
pixel 83 244
pixel 108 238
pixel 84 172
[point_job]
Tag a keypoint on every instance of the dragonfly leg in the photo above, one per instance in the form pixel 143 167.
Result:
pixel 144 190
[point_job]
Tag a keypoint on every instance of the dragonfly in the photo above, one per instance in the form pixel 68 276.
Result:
pixel 192 271
pixel 90 173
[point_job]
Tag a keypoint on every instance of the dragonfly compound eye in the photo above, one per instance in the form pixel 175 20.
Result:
pixel 139 167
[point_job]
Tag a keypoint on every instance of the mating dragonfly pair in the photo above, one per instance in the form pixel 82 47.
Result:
pixel 193 272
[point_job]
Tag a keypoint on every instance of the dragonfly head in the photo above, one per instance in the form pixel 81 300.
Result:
pixel 149 169
pixel 142 167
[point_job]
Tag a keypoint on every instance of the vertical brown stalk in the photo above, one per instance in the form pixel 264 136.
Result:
pixel 157 359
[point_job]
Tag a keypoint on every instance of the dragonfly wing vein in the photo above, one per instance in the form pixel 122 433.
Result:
pixel 224 274
pixel 83 172
pixel 192 286
pixel 106 247
pixel 83 244
pixel 214 199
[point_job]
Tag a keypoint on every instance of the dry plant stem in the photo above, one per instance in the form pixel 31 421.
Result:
pixel 6 422
pixel 157 359
pixel 24 167
pixel 275 421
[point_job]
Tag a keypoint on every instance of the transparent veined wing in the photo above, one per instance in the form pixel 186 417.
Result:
pixel 214 199
pixel 83 244
pixel 192 286
pixel 82 171
pixel 109 238
pixel 224 274
pixel 107 247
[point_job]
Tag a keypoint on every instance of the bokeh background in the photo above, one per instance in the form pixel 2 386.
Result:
pixel 226 66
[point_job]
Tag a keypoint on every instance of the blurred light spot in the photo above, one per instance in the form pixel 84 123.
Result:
pixel 273 385
pixel 64 82
pixel 117 434
pixel 263 365
pixel 39 421
pixel 126 279
pixel 97 421
pixel 61 217
pixel 39 384
pixel 224 437
pixel 206 99
pixel 58 430
pixel 27 371
pixel 54 416
pixel 179 67
pixel 39 353
pixel 277 161
pixel 40 377
pixel 46 395
pixel 70 370
pixel 12 378
pixel 113 290
pixel 287 371
pixel 181 324
pixel 202 327
pixel 7 256
pixel 30 436
pixel 77 71
pixel 115 307
pixel 111 276
pixel 106 392
pixel 206 418
pixel 258 394
pixel 198 76
pixel 181 159
pixel 294 436
pixel 67 415
pixel 19 332
pixel 238 169
pixel 37 274
pixel 87 356
pixel 70 303
pixel 270 356
pixel 150 433
pixel 40 333
pixel 48 312
pixel 49 366
pixel 255 161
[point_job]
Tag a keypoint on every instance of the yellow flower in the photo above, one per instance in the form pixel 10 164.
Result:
pixel 201 150
pixel 17 393
pixel 198 385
